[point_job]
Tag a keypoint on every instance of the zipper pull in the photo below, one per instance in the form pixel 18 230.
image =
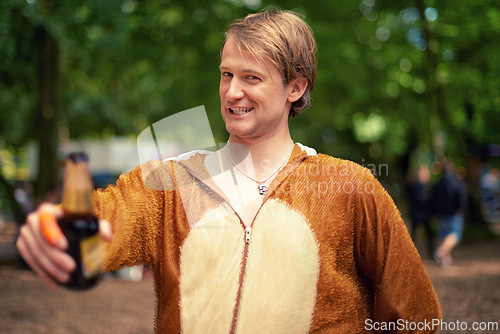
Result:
pixel 248 230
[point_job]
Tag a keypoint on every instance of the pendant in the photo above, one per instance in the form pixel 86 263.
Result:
pixel 262 190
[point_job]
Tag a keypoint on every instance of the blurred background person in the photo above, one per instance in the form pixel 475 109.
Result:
pixel 490 193
pixel 447 205
pixel 418 196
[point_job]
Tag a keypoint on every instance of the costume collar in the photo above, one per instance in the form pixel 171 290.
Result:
pixel 194 163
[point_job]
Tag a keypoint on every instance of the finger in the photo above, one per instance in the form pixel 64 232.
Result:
pixel 46 279
pixel 56 210
pixel 53 261
pixel 49 257
pixel 58 257
pixel 105 230
pixel 51 231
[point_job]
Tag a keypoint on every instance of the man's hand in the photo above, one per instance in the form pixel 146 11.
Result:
pixel 42 245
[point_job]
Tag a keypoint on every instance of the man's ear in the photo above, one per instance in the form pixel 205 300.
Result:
pixel 297 88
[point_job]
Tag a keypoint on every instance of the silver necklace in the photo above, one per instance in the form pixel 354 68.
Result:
pixel 261 186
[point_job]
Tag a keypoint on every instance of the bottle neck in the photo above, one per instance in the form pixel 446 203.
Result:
pixel 77 201
pixel 78 187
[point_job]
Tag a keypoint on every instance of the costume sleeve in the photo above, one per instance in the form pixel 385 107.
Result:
pixel 386 255
pixel 136 211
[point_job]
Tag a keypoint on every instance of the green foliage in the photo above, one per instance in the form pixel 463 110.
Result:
pixel 17 72
pixel 127 64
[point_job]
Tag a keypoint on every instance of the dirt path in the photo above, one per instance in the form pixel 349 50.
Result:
pixel 114 306
pixel 469 292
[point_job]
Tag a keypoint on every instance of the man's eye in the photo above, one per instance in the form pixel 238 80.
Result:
pixel 227 74
pixel 253 78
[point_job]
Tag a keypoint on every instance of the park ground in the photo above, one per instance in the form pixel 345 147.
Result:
pixel 469 292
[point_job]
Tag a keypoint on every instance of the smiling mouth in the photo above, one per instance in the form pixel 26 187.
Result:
pixel 240 111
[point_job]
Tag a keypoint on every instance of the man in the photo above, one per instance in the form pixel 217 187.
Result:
pixel 264 235
pixel 418 195
pixel 446 203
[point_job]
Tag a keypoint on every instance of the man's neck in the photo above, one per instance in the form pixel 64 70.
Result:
pixel 266 154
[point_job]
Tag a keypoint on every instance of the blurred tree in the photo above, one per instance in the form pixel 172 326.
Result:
pixel 47 108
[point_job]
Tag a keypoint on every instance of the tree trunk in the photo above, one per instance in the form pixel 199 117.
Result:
pixel 47 110
pixel 17 209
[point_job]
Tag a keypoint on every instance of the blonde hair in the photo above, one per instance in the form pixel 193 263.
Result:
pixel 284 38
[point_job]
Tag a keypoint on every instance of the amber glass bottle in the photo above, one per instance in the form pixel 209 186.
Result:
pixel 79 225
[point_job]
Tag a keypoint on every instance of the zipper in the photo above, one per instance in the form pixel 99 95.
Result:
pixel 248 231
pixel 247 235
pixel 234 322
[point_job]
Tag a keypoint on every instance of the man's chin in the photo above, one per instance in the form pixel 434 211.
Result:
pixel 240 133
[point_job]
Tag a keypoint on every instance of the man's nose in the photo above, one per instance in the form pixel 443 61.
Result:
pixel 235 90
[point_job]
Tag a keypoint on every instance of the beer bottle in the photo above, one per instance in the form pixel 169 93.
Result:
pixel 79 225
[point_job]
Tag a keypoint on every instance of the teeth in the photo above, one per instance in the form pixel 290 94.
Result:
pixel 240 111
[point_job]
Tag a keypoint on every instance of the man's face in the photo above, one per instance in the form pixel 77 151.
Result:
pixel 255 102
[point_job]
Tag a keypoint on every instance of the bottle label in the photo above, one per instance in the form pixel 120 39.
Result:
pixel 91 251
